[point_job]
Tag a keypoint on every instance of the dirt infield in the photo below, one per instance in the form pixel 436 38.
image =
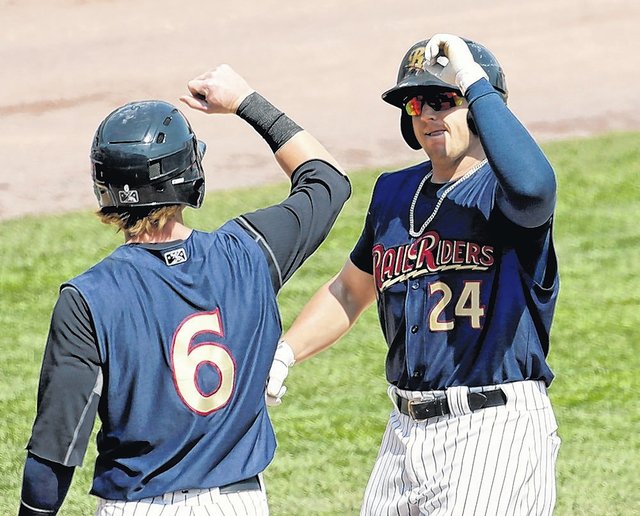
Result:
pixel 571 69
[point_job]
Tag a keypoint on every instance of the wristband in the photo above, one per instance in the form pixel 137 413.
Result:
pixel 272 124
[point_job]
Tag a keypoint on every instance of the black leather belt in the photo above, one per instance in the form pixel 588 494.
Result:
pixel 421 410
pixel 249 484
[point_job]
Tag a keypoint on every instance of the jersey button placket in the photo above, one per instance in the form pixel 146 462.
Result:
pixel 414 313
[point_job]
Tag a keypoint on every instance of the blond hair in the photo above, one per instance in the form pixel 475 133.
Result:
pixel 142 220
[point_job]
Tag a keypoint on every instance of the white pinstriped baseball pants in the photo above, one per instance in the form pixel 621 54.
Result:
pixel 192 502
pixel 494 461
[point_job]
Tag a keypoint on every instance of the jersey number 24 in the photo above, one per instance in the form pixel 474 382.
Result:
pixel 467 305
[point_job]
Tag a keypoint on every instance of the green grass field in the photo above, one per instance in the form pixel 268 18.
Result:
pixel 331 422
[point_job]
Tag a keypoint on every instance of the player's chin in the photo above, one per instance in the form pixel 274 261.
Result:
pixel 433 142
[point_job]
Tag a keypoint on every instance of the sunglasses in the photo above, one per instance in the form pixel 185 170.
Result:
pixel 438 102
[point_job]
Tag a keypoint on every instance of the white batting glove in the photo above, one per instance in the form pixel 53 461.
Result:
pixel 278 373
pixel 448 57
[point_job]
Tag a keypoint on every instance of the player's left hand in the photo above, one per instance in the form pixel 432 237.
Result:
pixel 278 373
pixel 221 90
pixel 448 57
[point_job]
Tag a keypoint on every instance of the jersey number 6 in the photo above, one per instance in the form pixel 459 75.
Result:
pixel 187 358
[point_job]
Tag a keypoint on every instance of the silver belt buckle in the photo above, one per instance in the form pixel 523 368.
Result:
pixel 411 410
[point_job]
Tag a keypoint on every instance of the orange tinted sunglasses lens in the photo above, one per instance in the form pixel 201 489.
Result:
pixel 413 107
pixel 438 102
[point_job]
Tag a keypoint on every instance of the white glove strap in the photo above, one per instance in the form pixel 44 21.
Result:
pixel 284 353
pixel 468 75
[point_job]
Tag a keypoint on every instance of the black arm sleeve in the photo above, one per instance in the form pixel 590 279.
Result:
pixel 70 384
pixel 291 231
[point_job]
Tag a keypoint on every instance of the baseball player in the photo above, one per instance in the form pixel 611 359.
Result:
pixel 458 253
pixel 170 338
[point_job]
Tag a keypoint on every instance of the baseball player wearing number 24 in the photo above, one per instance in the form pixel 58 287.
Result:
pixel 458 253
pixel 171 337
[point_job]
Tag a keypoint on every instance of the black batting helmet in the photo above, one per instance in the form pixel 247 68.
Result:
pixel 145 154
pixel 413 78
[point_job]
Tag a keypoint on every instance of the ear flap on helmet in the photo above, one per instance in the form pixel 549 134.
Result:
pixel 406 128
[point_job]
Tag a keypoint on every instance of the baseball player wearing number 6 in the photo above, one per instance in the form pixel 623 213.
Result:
pixel 170 338
pixel 458 252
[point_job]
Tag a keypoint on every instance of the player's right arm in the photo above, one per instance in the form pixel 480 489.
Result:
pixel 327 316
pixel 292 230
pixel 223 90
pixel 331 312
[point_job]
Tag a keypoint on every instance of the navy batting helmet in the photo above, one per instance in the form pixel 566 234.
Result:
pixel 145 154
pixel 413 78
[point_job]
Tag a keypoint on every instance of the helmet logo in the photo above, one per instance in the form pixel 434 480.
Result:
pixel 415 60
pixel 128 196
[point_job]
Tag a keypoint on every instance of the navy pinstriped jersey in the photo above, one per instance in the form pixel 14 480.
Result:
pixel 199 370
pixel 468 302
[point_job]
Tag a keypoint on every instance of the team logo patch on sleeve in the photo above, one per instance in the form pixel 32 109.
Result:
pixel 175 257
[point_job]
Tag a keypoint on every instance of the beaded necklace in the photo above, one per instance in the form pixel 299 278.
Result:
pixel 448 190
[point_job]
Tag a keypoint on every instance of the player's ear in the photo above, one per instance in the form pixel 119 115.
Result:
pixel 471 123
